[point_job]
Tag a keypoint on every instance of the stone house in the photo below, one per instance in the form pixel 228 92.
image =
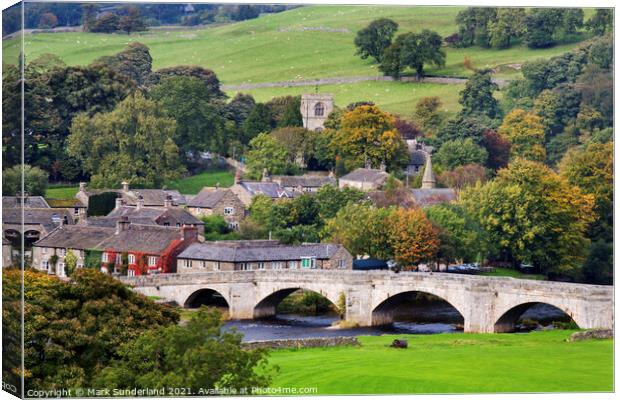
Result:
pixel 141 249
pixel 29 202
pixel 314 110
pixel 36 222
pixel 216 201
pixel 130 197
pixel 246 190
pixel 78 209
pixel 251 255
pixel 417 156
pixel 304 183
pixel 365 179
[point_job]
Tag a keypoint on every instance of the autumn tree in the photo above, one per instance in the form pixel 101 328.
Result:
pixel 412 237
pixel 497 147
pixel 368 135
pixel 534 215
pixel 375 38
pixel 113 147
pixel 526 134
pixel 463 176
pixel 48 20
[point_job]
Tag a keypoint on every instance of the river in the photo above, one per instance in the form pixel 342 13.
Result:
pixel 429 319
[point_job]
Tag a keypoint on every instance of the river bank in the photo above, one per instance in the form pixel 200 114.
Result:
pixel 451 363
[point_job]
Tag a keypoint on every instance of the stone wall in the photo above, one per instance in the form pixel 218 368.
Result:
pixel 302 343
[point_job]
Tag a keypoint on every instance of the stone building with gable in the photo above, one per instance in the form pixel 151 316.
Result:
pixel 314 110
pixel 217 201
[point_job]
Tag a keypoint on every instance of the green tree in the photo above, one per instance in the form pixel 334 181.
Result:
pixel 601 22
pixel 260 120
pixel 35 180
pixel 533 214
pixel 599 266
pixel 460 233
pixel 526 134
pixel 413 50
pixel 199 125
pixel 285 111
pixel 375 38
pixel 557 108
pixel 541 24
pixel 427 113
pixel 266 153
pixel 132 21
pixel 212 83
pixel 200 355
pixel 477 97
pixel 473 25
pixel 114 146
pixel 459 152
pixel 106 23
pixel 70 263
pixel 507 25
pixel 298 142
pixel 134 61
pixel 331 199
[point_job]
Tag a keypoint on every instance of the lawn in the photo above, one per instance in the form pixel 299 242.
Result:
pixel 395 97
pixel 514 274
pixel 451 363
pixel 61 192
pixel 303 43
pixel 193 184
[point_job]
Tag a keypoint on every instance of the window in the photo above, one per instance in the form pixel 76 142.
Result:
pixel 308 262
pixel 178 224
pixel 276 265
pixel 216 265
pixel 131 259
pixel 246 267
pixel 292 264
pixel 341 264
pixel 119 258
pixel 76 211
pixel 104 257
pixel 233 225
pixel 131 272
pixel 62 252
pixel 203 264
pixel 229 210
pixel 152 261
pixel 319 110
pixel 185 263
pixel 45 265
pixel 61 269
pixel 261 265
pixel 166 223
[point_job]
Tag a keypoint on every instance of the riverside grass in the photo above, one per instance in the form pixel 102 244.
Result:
pixel 451 363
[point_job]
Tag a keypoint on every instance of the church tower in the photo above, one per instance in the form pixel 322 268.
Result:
pixel 428 180
pixel 314 110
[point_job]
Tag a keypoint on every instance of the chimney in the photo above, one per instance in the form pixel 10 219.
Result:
pixel 122 224
pixel 237 176
pixel 140 202
pixel 189 233
pixel 168 201
pixel 118 202
pixel 428 179
pixel 125 186
pixel 82 186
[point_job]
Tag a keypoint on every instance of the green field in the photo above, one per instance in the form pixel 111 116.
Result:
pixel 451 363
pixel 193 184
pixel 61 192
pixel 303 43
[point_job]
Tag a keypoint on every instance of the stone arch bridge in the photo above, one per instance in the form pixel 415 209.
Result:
pixel 487 304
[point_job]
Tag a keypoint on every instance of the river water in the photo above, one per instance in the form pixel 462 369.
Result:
pixel 429 319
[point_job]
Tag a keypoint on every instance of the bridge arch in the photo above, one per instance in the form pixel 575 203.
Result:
pixel 267 303
pixel 383 312
pixel 507 319
pixel 208 297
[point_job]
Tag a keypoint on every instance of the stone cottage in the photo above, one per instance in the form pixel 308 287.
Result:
pixel 365 179
pixel 248 255
pixel 216 201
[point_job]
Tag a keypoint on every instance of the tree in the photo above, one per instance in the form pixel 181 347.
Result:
pixel 375 38
pixel 285 111
pixel 48 20
pixel 331 199
pixel 477 97
pixel 106 23
pixel 298 142
pixel 412 236
pixel 132 21
pixel 200 355
pixel 260 120
pixel 134 61
pixel 507 24
pixel 599 266
pixel 199 126
pixel 70 263
pixel 459 152
pixel 90 316
pixel 413 50
pixel 266 153
pixel 561 143
pixel 601 22
pixel 541 24
pixel 362 229
pixel 460 235
pixel 368 135
pixel 463 176
pixel 591 169
pixel 427 113
pixel 212 83
pixel 525 133
pixel 35 180
pixel 113 147
pixel 240 107
pixel 89 16
pixel 473 25
pixel 497 147
pixel 463 127
pixel 533 214
pixel 596 88
pixel 557 108
pixel 406 129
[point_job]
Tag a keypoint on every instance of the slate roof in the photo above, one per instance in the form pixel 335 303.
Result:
pixel 366 175
pixel 76 237
pixel 153 216
pixel 29 202
pixel 153 197
pixel 49 218
pixel 236 251
pixel 148 239
pixel 175 216
pixel 207 198
pixel 417 157
pixel 269 189
pixel 314 181
pixel 428 197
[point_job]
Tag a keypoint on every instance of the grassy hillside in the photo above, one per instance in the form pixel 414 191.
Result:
pixel 302 43
pixel 452 363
